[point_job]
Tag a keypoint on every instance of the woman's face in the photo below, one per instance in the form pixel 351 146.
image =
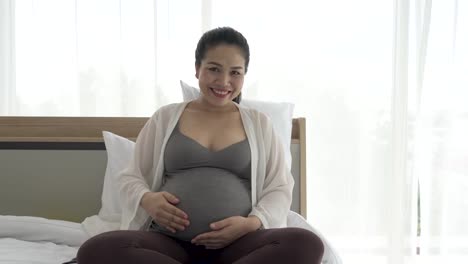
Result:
pixel 221 74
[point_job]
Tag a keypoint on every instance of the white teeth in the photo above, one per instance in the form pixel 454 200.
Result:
pixel 220 92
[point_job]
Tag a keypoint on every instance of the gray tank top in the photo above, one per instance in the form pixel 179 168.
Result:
pixel 211 185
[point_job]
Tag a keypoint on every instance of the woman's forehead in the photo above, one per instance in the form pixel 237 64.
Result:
pixel 225 55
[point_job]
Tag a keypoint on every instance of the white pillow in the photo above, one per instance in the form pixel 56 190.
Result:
pixel 37 229
pixel 119 154
pixel 281 115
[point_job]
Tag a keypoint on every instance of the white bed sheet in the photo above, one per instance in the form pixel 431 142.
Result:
pixel 15 251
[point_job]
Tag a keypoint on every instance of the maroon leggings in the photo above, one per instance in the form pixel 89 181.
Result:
pixel 279 245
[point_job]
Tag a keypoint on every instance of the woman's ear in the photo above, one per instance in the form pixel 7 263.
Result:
pixel 197 70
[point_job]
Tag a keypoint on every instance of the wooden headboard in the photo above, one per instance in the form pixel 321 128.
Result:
pixel 53 167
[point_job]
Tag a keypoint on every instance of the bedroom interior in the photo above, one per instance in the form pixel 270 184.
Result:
pixel 381 84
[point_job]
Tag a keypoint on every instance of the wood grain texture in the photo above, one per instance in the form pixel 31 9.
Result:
pixel 82 129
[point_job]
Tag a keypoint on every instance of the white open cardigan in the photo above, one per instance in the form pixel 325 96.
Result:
pixel 272 182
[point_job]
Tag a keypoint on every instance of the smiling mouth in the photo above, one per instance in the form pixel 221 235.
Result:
pixel 220 93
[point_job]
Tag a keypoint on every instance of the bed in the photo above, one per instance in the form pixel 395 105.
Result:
pixel 52 180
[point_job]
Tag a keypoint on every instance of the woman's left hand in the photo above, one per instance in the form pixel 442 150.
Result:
pixel 227 231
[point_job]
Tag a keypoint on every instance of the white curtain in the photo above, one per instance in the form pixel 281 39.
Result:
pixel 441 125
pixel 382 84
pixel 97 58
pixel 7 74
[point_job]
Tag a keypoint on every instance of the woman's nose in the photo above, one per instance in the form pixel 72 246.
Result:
pixel 224 80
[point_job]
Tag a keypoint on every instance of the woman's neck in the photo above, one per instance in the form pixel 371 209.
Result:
pixel 204 106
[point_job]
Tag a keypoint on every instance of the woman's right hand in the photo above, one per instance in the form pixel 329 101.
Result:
pixel 161 207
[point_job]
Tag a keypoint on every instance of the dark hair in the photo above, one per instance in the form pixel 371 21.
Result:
pixel 222 35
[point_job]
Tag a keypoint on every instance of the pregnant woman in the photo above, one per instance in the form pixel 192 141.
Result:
pixel 208 181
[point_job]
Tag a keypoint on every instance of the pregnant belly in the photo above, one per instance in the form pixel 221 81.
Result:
pixel 207 195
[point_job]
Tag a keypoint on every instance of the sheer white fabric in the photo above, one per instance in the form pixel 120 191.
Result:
pixel 441 125
pixel 6 57
pixel 381 83
pixel 98 58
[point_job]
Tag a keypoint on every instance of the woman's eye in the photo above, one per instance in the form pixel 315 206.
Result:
pixel 213 69
pixel 235 73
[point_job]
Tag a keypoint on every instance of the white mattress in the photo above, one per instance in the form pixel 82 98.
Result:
pixel 25 239
pixel 31 240
pixel 15 251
